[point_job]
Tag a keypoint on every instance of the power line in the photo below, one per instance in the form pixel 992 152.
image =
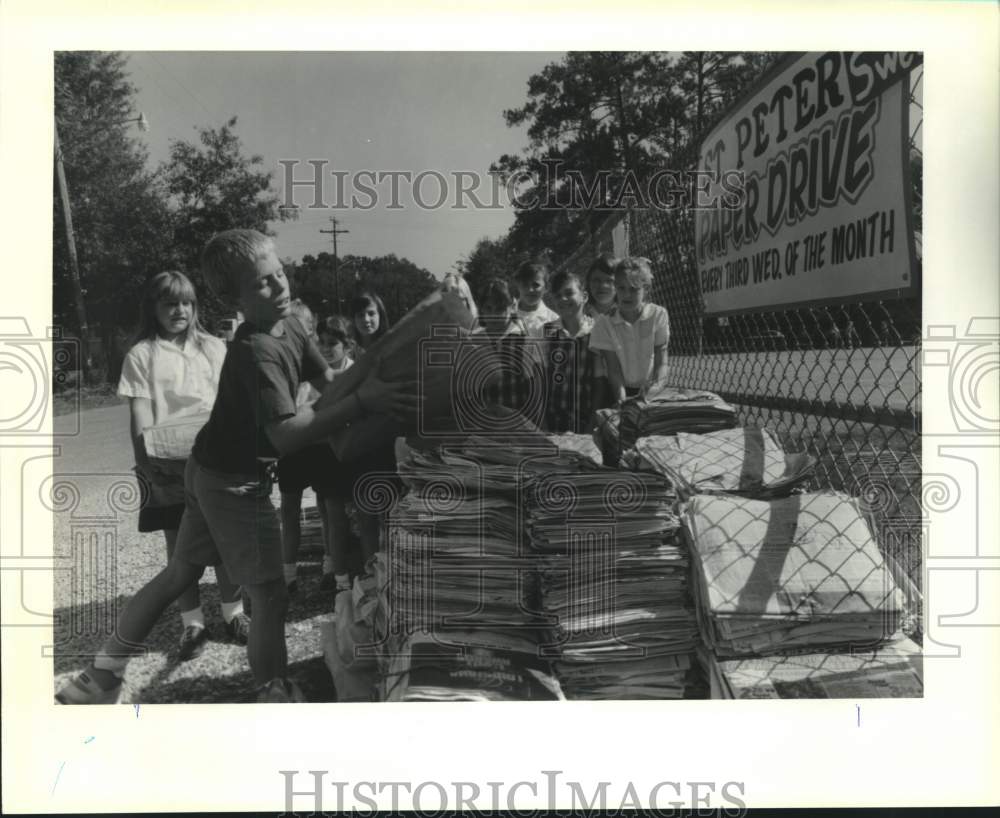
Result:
pixel 156 82
pixel 183 87
pixel 334 232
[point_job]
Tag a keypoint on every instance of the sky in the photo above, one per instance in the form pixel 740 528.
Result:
pixel 356 111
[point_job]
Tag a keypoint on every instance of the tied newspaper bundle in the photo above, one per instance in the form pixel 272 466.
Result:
pixel 614 582
pixel 892 670
pixel 736 461
pixel 460 666
pixel 349 643
pixel 432 344
pixel 673 409
pixel 460 576
pixel 500 467
pixel 581 444
pixel 802 574
pixel 667 411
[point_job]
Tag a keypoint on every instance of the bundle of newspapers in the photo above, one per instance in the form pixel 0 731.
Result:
pixel 461 590
pixel 607 435
pixel 796 575
pixel 745 461
pixel 674 409
pixel 667 411
pixel 892 669
pixel 614 583
pixel 448 665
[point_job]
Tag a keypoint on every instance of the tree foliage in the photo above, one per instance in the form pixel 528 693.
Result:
pixel 400 283
pixel 214 186
pixel 618 113
pixel 131 222
pixel 490 258
pixel 119 209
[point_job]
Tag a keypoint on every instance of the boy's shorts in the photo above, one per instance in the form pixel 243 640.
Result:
pixel 316 466
pixel 230 519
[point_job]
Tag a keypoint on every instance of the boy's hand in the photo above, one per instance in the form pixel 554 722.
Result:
pixel 398 399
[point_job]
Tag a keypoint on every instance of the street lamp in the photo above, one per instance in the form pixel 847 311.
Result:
pixel 74 267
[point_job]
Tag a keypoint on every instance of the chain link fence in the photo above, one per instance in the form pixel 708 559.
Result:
pixel 841 382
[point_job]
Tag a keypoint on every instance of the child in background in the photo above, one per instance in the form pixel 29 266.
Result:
pixel 602 301
pixel 335 343
pixel 601 285
pixel 531 279
pixel 634 339
pixel 313 466
pixel 172 371
pixel 520 382
pixel 228 515
pixel 371 321
pixel 571 363
pixel 334 331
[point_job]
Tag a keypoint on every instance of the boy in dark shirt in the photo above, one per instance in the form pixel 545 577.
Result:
pixel 228 516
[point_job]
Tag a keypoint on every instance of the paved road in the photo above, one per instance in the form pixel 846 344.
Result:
pixel 94 493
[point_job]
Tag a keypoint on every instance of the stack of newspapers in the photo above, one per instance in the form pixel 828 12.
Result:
pixel 674 409
pixel 889 670
pixel 460 588
pixel 666 412
pixel 738 461
pixel 801 576
pixel 454 665
pixel 614 583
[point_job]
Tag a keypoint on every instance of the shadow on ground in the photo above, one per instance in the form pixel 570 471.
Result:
pixel 220 673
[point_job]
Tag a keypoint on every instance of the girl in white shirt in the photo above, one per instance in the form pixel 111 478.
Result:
pixel 172 371
pixel 634 338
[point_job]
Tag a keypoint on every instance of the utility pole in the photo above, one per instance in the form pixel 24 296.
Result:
pixel 333 232
pixel 81 310
pixel 87 362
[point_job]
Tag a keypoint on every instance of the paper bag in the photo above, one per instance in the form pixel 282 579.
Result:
pixel 433 346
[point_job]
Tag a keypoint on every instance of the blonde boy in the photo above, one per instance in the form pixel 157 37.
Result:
pixel 531 280
pixel 228 516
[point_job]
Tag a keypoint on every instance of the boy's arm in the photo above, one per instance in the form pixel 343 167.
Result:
pixel 615 375
pixel 319 383
pixel 309 426
pixel 661 338
pixel 294 432
pixel 660 364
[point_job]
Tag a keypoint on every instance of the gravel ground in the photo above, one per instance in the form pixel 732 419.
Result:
pixel 96 527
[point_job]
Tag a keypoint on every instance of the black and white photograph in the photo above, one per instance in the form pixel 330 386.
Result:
pixel 606 390
pixel 466 390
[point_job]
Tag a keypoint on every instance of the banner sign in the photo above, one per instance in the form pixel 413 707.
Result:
pixel 808 179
